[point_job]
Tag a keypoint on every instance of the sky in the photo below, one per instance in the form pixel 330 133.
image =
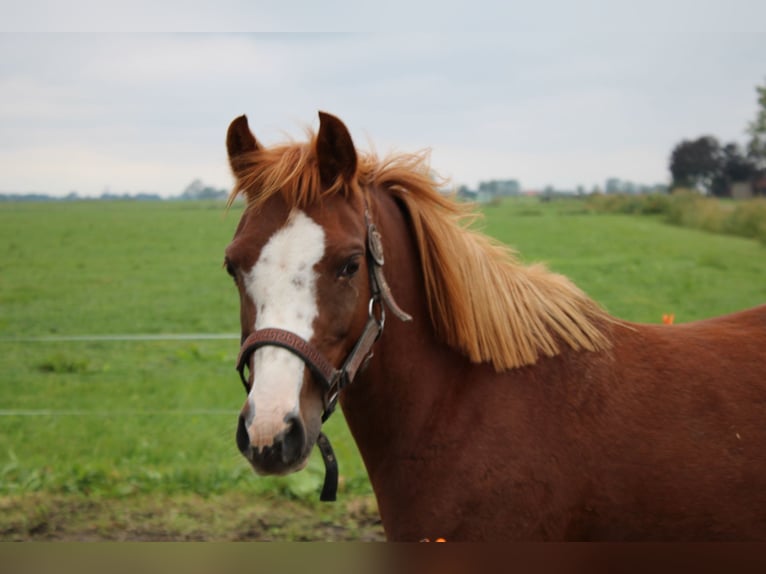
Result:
pixel 100 97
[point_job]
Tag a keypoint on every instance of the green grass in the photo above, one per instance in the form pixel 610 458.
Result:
pixel 129 419
pixel 95 267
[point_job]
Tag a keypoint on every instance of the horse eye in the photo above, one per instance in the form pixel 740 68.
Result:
pixel 349 268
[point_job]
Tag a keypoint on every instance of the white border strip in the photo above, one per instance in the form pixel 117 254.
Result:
pixel 77 413
pixel 124 337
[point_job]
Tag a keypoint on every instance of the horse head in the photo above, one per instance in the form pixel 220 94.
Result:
pixel 307 261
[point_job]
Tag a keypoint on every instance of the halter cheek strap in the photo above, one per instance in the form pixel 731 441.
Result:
pixel 334 380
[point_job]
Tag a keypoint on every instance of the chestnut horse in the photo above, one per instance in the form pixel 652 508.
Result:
pixel 498 402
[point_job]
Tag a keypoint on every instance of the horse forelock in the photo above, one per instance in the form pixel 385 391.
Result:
pixel 481 300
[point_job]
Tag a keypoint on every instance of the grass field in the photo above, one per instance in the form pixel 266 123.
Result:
pixel 135 438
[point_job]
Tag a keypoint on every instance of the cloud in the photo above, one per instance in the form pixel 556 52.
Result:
pixel 566 104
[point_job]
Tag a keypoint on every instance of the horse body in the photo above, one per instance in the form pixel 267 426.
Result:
pixel 518 412
pixel 576 447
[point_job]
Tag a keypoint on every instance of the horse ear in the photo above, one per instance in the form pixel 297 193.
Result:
pixel 335 150
pixel 239 140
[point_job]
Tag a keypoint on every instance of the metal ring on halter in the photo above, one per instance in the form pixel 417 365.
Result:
pixel 371 311
pixel 330 398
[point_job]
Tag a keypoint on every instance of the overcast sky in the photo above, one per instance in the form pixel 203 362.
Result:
pixel 553 93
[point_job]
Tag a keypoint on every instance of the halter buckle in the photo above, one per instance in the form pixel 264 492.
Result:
pixel 332 393
pixel 375 244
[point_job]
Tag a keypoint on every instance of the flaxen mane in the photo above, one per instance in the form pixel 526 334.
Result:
pixel 482 301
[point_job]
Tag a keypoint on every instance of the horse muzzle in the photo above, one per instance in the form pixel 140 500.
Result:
pixel 288 451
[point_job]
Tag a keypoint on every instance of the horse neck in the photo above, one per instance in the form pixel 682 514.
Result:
pixel 393 400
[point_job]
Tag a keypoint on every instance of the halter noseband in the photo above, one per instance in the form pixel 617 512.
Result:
pixel 333 380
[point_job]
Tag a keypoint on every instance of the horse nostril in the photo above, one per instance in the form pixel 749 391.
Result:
pixel 293 440
pixel 243 438
pixel 286 450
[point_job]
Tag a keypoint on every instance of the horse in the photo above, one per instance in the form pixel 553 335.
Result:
pixel 497 401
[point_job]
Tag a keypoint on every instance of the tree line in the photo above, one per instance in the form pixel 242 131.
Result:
pixel 194 191
pixel 707 165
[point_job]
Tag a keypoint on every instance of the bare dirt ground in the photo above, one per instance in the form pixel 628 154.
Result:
pixel 226 517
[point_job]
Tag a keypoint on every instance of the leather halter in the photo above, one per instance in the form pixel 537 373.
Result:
pixel 333 380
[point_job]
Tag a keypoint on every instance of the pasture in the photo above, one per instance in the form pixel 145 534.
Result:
pixel 134 437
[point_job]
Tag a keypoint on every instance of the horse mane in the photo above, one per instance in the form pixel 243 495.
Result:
pixel 482 300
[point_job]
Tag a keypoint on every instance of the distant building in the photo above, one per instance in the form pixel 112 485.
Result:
pixel 613 185
pixel 741 190
pixel 500 187
pixel 465 193
pixel 616 185
pixel 748 189
pixel 759 184
pixel 489 190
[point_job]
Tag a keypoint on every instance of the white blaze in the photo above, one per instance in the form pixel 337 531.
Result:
pixel 282 285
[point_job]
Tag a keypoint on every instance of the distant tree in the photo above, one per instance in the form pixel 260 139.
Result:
pixel 613 185
pixel 198 190
pixel 193 190
pixel 736 167
pixel 756 147
pixel 696 163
